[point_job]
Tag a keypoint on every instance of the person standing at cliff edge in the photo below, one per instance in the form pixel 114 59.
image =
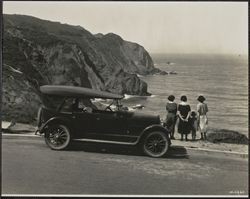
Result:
pixel 184 111
pixel 171 108
pixel 202 110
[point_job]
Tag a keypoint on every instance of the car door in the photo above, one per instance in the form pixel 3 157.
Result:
pixel 84 123
pixel 109 125
pixel 83 118
pixel 78 119
pixel 109 122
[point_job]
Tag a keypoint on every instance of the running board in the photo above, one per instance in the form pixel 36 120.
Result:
pixel 107 141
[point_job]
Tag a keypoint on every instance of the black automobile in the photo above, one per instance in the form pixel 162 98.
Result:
pixel 76 113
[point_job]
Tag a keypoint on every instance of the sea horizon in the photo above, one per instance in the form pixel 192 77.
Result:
pixel 197 53
pixel 222 79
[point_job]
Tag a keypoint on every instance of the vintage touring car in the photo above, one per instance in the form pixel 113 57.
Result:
pixel 76 113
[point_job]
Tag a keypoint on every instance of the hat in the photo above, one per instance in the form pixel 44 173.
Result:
pixel 171 98
pixel 201 98
pixel 184 98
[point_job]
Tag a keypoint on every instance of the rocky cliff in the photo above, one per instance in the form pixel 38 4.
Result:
pixel 38 52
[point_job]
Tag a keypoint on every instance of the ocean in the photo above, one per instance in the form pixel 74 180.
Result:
pixel 222 79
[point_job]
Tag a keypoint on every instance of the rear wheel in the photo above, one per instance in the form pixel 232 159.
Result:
pixel 57 137
pixel 155 144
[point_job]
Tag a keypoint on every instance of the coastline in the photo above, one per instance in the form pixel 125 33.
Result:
pixel 229 147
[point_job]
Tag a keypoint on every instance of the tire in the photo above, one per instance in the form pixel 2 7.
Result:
pixel 155 144
pixel 58 137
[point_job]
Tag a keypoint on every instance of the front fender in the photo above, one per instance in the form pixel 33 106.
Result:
pixel 53 120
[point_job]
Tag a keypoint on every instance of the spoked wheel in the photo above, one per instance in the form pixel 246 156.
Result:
pixel 156 144
pixel 57 137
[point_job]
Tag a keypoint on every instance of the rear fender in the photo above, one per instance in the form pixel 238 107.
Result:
pixel 155 127
pixel 54 120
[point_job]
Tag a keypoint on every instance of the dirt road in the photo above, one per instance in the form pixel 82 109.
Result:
pixel 30 167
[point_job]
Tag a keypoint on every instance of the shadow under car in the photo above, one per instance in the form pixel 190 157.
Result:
pixel 174 152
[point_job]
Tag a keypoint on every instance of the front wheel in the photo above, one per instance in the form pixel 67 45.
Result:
pixel 57 137
pixel 155 144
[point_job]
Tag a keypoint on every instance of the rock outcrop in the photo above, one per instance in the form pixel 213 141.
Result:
pixel 38 52
pixel 20 100
pixel 226 136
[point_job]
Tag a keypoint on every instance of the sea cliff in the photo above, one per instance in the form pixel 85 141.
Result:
pixel 38 52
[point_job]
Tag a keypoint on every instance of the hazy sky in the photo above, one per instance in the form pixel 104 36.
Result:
pixel 166 27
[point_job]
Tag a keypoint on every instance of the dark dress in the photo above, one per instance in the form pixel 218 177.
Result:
pixel 171 117
pixel 183 127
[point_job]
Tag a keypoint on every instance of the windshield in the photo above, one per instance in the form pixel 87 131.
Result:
pixel 109 104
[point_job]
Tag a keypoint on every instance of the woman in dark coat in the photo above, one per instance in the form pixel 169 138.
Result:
pixel 171 108
pixel 184 111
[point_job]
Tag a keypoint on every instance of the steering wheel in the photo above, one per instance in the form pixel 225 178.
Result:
pixel 108 108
